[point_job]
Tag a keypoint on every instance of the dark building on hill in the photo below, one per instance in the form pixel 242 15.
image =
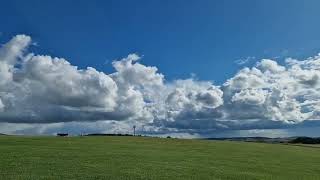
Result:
pixel 62 134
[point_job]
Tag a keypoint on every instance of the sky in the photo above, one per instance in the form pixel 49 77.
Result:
pixel 190 68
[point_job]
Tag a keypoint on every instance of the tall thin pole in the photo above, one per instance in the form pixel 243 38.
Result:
pixel 134 130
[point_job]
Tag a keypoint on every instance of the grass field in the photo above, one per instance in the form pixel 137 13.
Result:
pixel 152 158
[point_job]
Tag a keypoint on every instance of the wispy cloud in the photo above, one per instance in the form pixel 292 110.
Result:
pixel 245 60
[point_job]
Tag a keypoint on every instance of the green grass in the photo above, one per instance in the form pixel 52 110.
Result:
pixel 152 158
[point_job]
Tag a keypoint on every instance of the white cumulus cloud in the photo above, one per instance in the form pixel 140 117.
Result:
pixel 44 89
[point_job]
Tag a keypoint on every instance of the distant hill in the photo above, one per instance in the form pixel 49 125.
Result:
pixel 293 140
pixel 256 139
pixel 102 134
pixel 305 140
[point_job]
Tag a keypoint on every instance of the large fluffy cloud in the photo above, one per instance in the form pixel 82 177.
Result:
pixel 139 88
pixel 44 89
pixel 189 102
pixel 270 91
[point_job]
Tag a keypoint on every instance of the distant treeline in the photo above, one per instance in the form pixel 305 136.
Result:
pixel 293 140
pixel 305 140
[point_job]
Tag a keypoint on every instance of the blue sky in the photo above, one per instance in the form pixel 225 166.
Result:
pixel 211 41
pixel 179 37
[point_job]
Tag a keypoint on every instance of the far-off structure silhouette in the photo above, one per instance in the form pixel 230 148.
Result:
pixel 134 130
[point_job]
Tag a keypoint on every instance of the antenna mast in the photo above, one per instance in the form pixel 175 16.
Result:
pixel 134 130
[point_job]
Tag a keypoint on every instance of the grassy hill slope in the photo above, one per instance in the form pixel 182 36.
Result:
pixel 152 158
